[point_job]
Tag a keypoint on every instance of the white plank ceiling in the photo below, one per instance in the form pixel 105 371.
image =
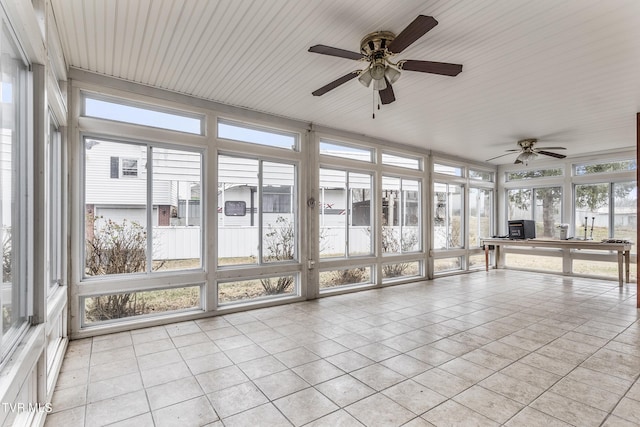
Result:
pixel 564 71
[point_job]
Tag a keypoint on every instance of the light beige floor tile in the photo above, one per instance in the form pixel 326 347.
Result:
pixel 339 418
pixel 173 392
pixel 281 384
pixel 236 399
pixel 144 420
pixel 266 415
pixel 155 346
pixel 555 352
pixel 198 350
pixel 492 405
pixel 345 390
pixel 244 354
pixel 568 410
pixel 73 378
pixel 112 387
pixel 349 361
pixel 487 359
pixel 634 392
pixel 455 348
pixel 315 405
pixel 615 421
pixel 430 355
pixel 546 363
pixel 377 351
pixel 414 396
pixel 182 328
pixel 114 369
pixel 230 343
pixel 352 340
pixel 194 412
pixel 278 345
pixel 379 410
pixel 605 366
pixel 530 417
pixel 465 369
pixel 149 334
pixel 220 379
pixel 628 409
pixel 212 362
pixel 318 371
pixel 162 358
pixel 75 361
pixel 451 413
pixel 107 356
pixel 505 350
pixel 296 356
pixel 116 409
pixel 165 374
pixel 592 396
pixel 512 388
pixel 223 332
pixel 406 365
pixel 68 398
pixel 443 382
pixel 326 348
pixel 190 339
pixel 377 376
pixel 261 367
pixel 111 341
pixel 531 375
pixel 600 380
pixel 68 418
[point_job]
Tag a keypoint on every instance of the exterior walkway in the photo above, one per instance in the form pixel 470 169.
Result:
pixel 503 347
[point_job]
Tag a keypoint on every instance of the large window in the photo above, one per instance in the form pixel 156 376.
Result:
pixel 133 225
pixel 606 210
pixel 401 216
pixel 13 172
pixel 345 213
pixel 448 230
pixel 543 205
pixel 480 207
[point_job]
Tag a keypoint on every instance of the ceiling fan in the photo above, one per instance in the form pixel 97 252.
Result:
pixel 528 152
pixel 377 49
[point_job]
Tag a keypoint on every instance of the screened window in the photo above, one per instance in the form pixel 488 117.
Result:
pixel 256 135
pixel 330 148
pixel 401 217
pixel 481 175
pixel 543 205
pixel 615 166
pixel 401 161
pixel 480 207
pixel 606 210
pixel 447 219
pixel 531 174
pixel 345 213
pixel 125 224
pixel 13 125
pixel 259 221
pixel 447 169
pixel 128 112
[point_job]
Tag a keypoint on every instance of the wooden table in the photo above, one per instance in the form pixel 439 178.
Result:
pixel 623 249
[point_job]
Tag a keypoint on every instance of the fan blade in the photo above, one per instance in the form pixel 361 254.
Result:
pixel 334 84
pixel 334 51
pixel 386 95
pixel 501 155
pixel 418 28
pixel 443 68
pixel 549 153
pixel 550 148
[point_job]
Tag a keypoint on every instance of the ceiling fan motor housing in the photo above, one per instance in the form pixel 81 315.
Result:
pixel 374 45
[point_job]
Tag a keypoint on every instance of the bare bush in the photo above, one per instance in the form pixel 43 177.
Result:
pixel 279 245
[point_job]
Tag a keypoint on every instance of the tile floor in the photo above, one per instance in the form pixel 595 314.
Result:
pixel 503 347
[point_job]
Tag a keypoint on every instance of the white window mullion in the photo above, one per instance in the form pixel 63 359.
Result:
pixel 149 212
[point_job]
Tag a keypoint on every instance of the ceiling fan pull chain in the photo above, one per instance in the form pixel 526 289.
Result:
pixel 373 105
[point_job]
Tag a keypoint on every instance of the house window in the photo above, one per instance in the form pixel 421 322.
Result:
pixel 123 167
pixel 277 199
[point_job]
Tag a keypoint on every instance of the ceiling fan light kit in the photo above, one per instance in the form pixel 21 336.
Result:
pixel 527 152
pixel 377 49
